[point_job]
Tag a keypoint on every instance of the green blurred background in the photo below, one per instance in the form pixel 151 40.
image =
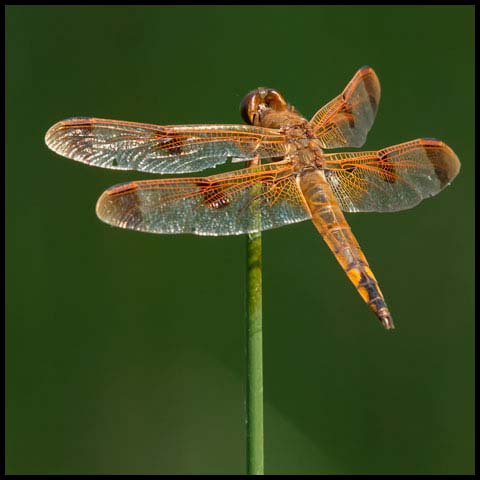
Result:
pixel 126 351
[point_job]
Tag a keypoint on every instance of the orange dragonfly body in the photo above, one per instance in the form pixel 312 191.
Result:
pixel 300 181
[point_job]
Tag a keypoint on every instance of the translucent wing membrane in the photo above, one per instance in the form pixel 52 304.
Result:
pixel 392 179
pixel 222 204
pixel 160 149
pixel 346 120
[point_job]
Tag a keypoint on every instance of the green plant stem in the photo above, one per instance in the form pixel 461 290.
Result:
pixel 254 401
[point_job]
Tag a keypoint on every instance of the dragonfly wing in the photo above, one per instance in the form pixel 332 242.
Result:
pixel 160 149
pixel 224 204
pixel 394 178
pixel 346 120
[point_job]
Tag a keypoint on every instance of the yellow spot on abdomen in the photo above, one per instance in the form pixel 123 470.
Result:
pixel 354 275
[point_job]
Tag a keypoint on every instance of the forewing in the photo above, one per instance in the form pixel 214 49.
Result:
pixel 160 149
pixel 346 120
pixel 392 179
pixel 224 204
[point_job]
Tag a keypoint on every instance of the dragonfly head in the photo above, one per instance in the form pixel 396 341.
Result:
pixel 260 101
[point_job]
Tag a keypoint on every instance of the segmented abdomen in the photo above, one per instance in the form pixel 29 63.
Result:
pixel 330 222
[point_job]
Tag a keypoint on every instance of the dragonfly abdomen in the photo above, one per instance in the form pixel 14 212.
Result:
pixel 330 222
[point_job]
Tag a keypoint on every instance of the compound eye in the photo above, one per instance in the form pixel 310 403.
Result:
pixel 275 101
pixel 247 107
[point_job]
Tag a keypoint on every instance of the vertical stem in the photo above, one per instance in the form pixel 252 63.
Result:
pixel 254 402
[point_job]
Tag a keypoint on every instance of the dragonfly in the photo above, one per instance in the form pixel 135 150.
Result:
pixel 288 176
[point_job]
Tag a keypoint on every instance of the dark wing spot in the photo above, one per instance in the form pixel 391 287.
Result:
pixel 347 167
pixel 442 164
pixel 442 173
pixel 387 170
pixel 347 113
pixel 443 159
pixel 373 102
pixel 173 143
pixel 213 194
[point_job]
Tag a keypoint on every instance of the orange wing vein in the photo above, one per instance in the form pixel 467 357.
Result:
pixel 160 149
pixel 394 178
pixel 346 120
pixel 216 205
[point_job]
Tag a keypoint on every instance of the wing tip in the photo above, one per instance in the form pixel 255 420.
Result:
pixel 372 83
pixel 447 162
pixel 366 70
pixel 116 200
pixel 66 123
pixel 50 135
